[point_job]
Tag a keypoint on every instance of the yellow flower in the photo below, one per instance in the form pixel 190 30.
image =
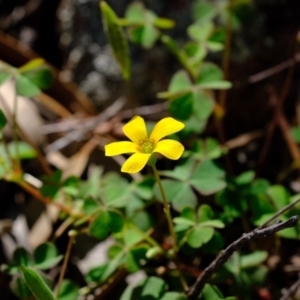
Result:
pixel 142 146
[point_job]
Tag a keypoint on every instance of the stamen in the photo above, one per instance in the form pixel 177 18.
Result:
pixel 147 146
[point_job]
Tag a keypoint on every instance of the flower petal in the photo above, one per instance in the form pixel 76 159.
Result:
pixel 165 127
pixel 135 162
pixel 120 148
pixel 136 130
pixel 169 148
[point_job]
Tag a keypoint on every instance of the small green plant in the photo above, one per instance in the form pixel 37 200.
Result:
pixel 179 223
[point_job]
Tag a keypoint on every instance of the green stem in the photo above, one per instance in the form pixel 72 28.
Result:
pixel 171 226
pixel 2 161
pixel 166 208
pixel 280 212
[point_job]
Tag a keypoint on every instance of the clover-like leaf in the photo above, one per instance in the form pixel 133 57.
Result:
pixel 25 87
pixel 211 292
pixel 135 256
pixel 179 194
pixel 41 77
pixel 52 184
pixel 204 11
pixel 279 195
pixel 104 223
pixel 149 288
pixel 253 259
pixel 198 236
pixel 200 32
pixel 135 13
pixel 211 77
pixel 21 257
pixel 21 150
pixel 209 148
pixel 173 296
pixel 68 291
pixel 208 178
pixel 46 256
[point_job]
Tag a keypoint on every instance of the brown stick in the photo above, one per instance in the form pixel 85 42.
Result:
pixel 224 255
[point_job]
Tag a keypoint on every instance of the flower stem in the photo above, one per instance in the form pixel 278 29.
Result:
pixel 171 226
pixel 166 208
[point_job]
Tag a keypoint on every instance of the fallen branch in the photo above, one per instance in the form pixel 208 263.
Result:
pixel 224 255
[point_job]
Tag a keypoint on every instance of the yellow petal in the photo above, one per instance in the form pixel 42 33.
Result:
pixel 136 130
pixel 135 162
pixel 169 148
pixel 120 148
pixel 165 127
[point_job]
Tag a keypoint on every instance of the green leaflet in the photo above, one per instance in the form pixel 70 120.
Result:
pixel 36 284
pixel 116 38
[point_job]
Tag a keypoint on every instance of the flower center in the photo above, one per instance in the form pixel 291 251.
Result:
pixel 147 146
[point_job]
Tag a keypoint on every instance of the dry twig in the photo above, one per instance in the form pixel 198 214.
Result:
pixel 224 255
pixel 78 134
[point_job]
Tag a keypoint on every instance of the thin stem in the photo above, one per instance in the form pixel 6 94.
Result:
pixel 171 226
pixel 166 209
pixel 280 212
pixel 63 227
pixel 36 194
pixel 2 162
pixel 148 238
pixel 64 266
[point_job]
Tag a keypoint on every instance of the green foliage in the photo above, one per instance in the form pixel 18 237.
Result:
pixel 36 284
pixel 104 223
pixel 197 228
pixel 68 291
pixel 246 272
pixel 211 292
pixel 46 256
pixel 132 215
pixel 205 177
pixel 4 76
pixel 190 101
pixel 207 149
pixel 51 185
pixel 32 282
pixel 32 78
pixel 20 150
pixel 9 153
pixel 20 288
pixel 144 25
pixel 149 288
pixel 116 38
pixel 3 119
pixel 295 133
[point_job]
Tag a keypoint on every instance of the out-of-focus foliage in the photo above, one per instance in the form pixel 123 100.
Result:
pixel 199 200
